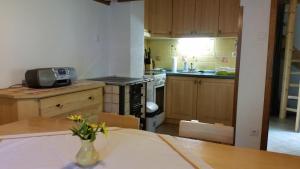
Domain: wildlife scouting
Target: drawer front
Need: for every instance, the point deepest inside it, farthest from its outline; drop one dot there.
(90, 113)
(58, 105)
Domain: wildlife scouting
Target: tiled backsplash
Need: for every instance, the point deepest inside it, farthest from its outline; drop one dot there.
(223, 55)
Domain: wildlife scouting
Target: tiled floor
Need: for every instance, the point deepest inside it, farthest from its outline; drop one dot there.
(170, 129)
(282, 137)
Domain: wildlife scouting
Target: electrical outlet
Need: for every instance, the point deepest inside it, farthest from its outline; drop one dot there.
(157, 58)
(254, 133)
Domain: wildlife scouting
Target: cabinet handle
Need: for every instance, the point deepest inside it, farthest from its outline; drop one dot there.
(59, 106)
(91, 98)
(199, 82)
(195, 82)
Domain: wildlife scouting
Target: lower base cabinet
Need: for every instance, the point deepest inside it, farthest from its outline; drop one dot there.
(181, 98)
(215, 101)
(205, 99)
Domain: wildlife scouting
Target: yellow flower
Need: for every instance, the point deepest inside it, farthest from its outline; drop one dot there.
(75, 117)
(103, 129)
(85, 130)
(94, 126)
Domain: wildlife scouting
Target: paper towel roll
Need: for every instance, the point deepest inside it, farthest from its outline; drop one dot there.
(174, 67)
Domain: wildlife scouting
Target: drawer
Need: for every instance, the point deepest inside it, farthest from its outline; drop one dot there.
(57, 105)
(90, 113)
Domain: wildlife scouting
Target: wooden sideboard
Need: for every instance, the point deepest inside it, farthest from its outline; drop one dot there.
(82, 97)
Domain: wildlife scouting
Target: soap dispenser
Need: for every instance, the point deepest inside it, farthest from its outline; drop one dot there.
(185, 66)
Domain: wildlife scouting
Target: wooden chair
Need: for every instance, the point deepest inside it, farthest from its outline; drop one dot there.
(217, 133)
(114, 120)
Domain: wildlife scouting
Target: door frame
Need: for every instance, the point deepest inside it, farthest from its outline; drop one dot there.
(269, 73)
(237, 67)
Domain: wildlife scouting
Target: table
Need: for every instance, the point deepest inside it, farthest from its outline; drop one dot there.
(215, 155)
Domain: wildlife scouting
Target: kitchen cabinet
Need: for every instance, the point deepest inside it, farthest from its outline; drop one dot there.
(207, 17)
(229, 16)
(208, 100)
(192, 18)
(215, 101)
(85, 98)
(195, 18)
(181, 98)
(159, 17)
(183, 18)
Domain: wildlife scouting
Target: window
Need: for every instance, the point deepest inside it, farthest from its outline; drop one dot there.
(197, 47)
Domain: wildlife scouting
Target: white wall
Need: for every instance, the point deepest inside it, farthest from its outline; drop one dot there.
(253, 72)
(45, 33)
(126, 53)
(119, 41)
(137, 38)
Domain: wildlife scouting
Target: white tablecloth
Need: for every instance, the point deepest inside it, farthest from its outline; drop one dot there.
(122, 149)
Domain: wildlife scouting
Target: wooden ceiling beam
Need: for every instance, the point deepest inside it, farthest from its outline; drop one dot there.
(127, 0)
(107, 2)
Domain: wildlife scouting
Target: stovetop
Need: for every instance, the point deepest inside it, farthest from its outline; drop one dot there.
(117, 80)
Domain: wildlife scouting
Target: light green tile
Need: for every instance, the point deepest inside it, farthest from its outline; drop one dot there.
(224, 47)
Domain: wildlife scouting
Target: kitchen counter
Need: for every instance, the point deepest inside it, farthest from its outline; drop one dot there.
(200, 74)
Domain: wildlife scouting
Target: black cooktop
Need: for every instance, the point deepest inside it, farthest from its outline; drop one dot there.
(117, 80)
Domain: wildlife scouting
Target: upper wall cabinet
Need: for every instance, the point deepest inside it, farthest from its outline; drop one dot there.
(183, 17)
(159, 17)
(207, 17)
(229, 16)
(192, 18)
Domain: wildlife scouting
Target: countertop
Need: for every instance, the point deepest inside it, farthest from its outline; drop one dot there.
(201, 75)
(121, 81)
(29, 93)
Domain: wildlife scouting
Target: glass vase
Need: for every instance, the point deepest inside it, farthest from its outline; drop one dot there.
(87, 155)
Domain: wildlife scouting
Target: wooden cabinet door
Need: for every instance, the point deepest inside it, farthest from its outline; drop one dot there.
(181, 98)
(229, 16)
(183, 17)
(215, 101)
(160, 17)
(207, 17)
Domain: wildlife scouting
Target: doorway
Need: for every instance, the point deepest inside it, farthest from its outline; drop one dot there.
(279, 132)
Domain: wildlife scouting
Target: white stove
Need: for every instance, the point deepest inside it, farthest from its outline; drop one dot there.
(156, 93)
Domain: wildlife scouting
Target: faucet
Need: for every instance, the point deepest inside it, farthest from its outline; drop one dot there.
(192, 69)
